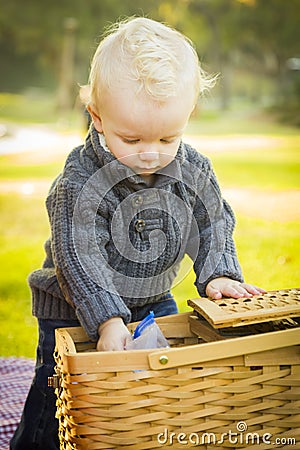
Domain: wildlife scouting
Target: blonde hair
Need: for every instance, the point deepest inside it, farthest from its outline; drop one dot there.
(157, 58)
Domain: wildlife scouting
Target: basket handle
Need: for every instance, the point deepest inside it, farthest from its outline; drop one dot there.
(197, 354)
(64, 341)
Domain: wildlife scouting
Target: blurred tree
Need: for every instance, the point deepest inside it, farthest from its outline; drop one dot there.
(65, 98)
(256, 35)
(273, 36)
(36, 31)
(220, 19)
(212, 26)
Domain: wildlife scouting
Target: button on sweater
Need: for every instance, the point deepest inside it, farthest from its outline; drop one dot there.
(116, 242)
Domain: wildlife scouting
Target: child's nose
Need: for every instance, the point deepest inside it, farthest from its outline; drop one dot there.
(149, 153)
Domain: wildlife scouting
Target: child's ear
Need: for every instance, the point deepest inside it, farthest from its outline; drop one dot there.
(96, 118)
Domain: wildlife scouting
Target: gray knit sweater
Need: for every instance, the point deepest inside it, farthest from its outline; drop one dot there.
(116, 243)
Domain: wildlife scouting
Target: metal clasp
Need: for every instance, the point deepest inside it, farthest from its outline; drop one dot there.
(54, 381)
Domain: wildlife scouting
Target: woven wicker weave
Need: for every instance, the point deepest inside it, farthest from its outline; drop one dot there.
(225, 394)
(242, 311)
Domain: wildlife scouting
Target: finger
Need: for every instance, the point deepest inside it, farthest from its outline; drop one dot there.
(213, 293)
(261, 290)
(236, 291)
(109, 346)
(253, 289)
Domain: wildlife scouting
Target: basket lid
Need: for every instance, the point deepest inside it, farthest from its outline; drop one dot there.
(233, 312)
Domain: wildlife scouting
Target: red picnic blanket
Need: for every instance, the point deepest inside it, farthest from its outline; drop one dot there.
(15, 379)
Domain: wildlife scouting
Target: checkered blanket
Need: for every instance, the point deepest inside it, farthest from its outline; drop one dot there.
(15, 378)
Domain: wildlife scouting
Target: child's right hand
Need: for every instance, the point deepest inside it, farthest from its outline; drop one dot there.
(113, 335)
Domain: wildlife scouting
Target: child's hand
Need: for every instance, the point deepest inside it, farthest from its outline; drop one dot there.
(113, 335)
(227, 287)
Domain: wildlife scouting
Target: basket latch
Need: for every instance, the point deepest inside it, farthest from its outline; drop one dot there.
(54, 381)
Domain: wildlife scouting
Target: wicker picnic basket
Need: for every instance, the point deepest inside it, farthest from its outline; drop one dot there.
(213, 388)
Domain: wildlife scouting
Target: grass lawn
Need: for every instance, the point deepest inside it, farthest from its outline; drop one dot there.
(268, 253)
(268, 250)
(23, 229)
(277, 170)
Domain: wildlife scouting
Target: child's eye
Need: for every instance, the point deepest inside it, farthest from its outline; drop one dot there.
(166, 141)
(130, 141)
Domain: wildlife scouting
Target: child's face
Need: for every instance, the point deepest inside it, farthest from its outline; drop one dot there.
(142, 133)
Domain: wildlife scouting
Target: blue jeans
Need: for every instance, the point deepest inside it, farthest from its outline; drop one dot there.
(38, 428)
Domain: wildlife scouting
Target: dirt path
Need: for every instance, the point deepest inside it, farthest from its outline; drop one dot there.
(282, 206)
(232, 143)
(38, 144)
(26, 144)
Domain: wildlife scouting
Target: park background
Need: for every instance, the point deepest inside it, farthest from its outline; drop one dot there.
(248, 126)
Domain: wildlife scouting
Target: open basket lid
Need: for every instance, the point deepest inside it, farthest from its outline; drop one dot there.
(234, 312)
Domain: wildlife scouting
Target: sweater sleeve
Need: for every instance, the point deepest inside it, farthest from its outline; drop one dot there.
(216, 255)
(93, 303)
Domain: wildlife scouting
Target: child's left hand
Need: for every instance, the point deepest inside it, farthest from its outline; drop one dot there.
(226, 287)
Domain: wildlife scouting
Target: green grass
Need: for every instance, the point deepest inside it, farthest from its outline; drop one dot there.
(23, 230)
(257, 174)
(35, 107)
(25, 172)
(269, 254)
(275, 168)
(239, 119)
(269, 251)
(265, 155)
